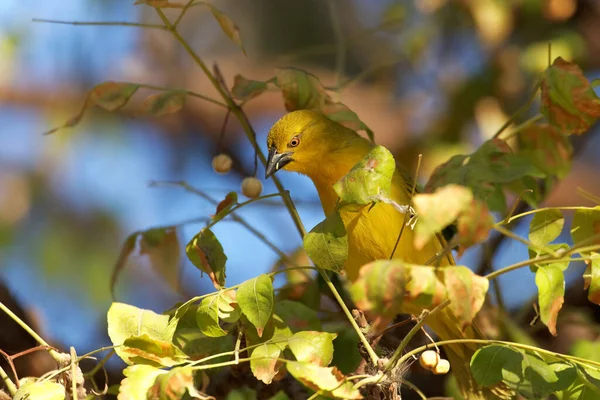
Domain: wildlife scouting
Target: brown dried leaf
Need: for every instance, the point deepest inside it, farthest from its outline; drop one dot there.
(568, 100)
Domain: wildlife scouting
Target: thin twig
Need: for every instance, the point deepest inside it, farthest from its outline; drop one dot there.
(410, 203)
(100, 23)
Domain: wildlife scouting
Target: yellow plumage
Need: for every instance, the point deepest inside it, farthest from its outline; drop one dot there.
(309, 143)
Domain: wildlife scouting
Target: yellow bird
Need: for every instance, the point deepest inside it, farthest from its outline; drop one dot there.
(311, 144)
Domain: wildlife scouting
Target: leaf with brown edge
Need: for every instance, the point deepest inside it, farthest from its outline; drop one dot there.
(142, 349)
(227, 26)
(568, 100)
(264, 362)
(255, 298)
(138, 380)
(126, 321)
(548, 149)
(112, 95)
(126, 250)
(159, 104)
(466, 291)
(437, 210)
(330, 381)
(550, 281)
(591, 278)
(474, 225)
(173, 385)
(380, 288)
(206, 253)
(161, 245)
(246, 89)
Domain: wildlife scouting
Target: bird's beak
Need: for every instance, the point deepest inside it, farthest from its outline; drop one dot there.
(276, 161)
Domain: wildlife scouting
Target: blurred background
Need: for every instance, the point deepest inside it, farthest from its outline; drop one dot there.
(436, 77)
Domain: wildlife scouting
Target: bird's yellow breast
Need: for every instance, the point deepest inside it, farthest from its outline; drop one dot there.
(372, 231)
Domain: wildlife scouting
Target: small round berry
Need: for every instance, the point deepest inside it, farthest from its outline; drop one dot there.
(221, 163)
(429, 359)
(251, 187)
(442, 367)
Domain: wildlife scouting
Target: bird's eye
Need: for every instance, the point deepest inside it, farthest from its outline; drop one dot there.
(294, 142)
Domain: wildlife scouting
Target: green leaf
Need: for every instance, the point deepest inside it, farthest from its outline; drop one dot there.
(591, 377)
(548, 149)
(227, 26)
(163, 103)
(546, 226)
(485, 172)
(568, 100)
(206, 253)
(126, 321)
(369, 179)
(276, 332)
(46, 390)
(255, 298)
(494, 363)
(327, 243)
(585, 225)
(551, 291)
(297, 316)
(264, 363)
(329, 380)
(138, 380)
(345, 356)
(591, 278)
(539, 374)
(313, 347)
(161, 245)
(112, 95)
(207, 317)
(245, 89)
(466, 291)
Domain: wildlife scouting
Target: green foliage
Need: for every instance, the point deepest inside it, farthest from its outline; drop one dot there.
(327, 243)
(248, 323)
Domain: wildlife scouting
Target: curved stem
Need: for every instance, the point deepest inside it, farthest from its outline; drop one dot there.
(530, 212)
(540, 248)
(10, 385)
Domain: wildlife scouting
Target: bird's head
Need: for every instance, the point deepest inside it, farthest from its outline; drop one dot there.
(294, 142)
